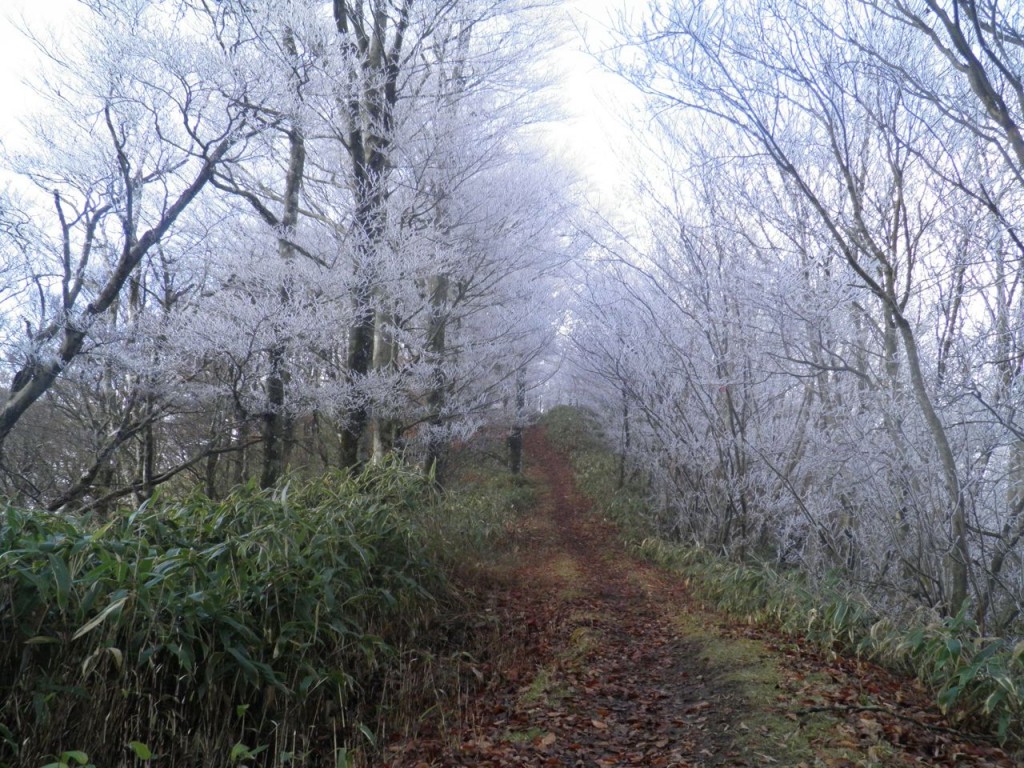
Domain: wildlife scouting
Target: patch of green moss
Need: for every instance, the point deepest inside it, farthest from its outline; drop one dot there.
(769, 733)
(524, 737)
(544, 688)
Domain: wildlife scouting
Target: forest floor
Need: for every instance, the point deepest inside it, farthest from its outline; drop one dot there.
(609, 661)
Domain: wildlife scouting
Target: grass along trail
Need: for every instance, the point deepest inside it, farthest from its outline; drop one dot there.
(611, 663)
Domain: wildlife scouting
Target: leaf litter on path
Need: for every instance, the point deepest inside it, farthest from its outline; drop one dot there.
(618, 666)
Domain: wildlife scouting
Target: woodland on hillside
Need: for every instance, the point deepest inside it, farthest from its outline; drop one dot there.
(814, 343)
(248, 237)
(282, 282)
(254, 239)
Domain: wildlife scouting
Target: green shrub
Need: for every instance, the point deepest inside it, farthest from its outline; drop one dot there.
(479, 510)
(199, 626)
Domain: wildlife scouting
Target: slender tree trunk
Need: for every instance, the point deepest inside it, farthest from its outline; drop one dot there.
(959, 559)
(626, 439)
(210, 474)
(384, 428)
(437, 446)
(277, 425)
(515, 438)
(370, 218)
(376, 65)
(359, 358)
(240, 465)
(147, 462)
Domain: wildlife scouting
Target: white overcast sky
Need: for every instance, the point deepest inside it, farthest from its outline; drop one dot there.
(601, 105)
(18, 56)
(594, 136)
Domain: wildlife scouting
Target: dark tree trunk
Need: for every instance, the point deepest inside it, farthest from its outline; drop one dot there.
(515, 438)
(275, 424)
(437, 447)
(626, 439)
(370, 113)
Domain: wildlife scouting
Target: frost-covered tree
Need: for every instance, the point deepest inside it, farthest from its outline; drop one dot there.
(140, 115)
(367, 257)
(830, 277)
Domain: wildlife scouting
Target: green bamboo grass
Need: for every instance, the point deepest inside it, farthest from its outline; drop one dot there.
(263, 623)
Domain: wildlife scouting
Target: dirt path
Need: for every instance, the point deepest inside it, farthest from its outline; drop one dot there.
(617, 667)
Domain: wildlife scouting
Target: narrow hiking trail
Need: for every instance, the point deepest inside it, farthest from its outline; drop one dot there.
(611, 663)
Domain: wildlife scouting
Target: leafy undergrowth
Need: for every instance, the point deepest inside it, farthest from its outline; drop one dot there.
(285, 628)
(977, 682)
(371, 621)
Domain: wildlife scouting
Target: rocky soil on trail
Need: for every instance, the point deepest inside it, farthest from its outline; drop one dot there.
(612, 663)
